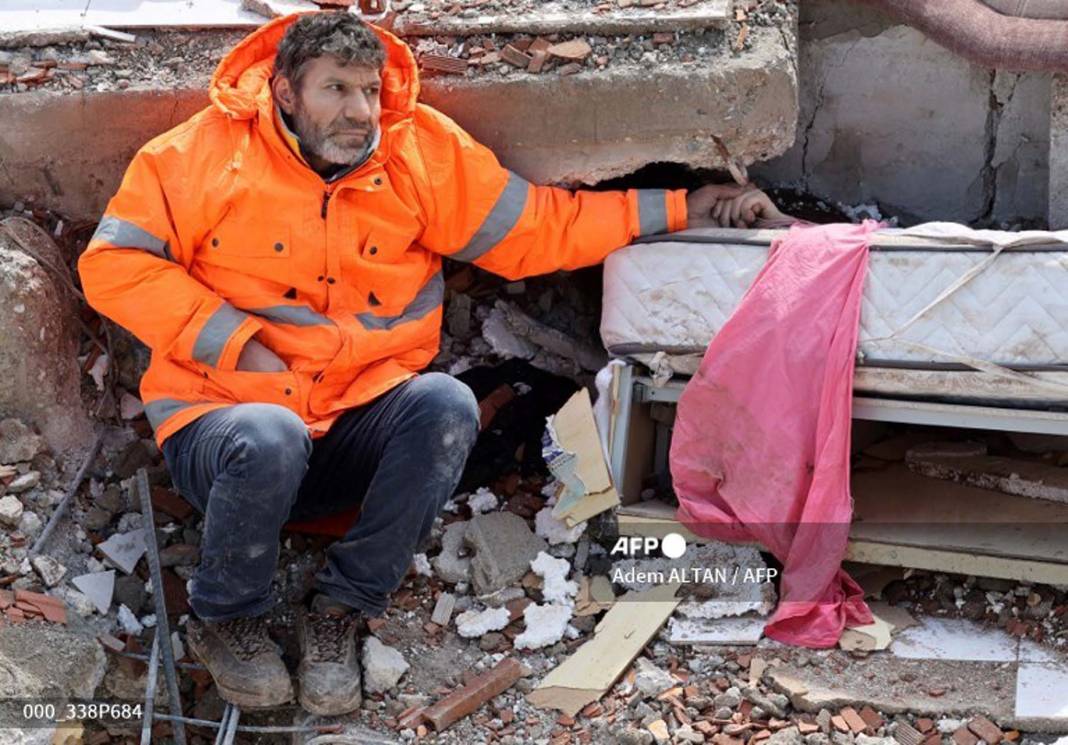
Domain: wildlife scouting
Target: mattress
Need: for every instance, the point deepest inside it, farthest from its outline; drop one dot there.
(938, 299)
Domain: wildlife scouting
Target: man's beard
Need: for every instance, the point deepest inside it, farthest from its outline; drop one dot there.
(322, 141)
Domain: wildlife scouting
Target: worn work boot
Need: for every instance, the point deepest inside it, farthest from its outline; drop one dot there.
(243, 661)
(329, 671)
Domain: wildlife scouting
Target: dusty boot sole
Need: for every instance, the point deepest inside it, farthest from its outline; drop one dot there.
(241, 698)
(333, 708)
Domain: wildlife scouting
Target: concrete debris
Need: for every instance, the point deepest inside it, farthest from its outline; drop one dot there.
(503, 547)
(10, 511)
(49, 661)
(76, 601)
(1035, 479)
(99, 587)
(650, 679)
(481, 501)
(18, 444)
(422, 565)
(474, 623)
(556, 531)
(24, 482)
(747, 629)
(130, 406)
(276, 8)
(30, 525)
(556, 587)
(450, 566)
(443, 608)
(504, 342)
(128, 621)
(124, 549)
(383, 666)
(50, 570)
(545, 625)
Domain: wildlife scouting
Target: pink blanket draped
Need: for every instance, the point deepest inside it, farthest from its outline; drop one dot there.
(760, 450)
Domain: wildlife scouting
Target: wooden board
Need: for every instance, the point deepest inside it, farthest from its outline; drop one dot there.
(909, 520)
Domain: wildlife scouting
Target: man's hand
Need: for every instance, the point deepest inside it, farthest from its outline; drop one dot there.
(701, 202)
(744, 210)
(255, 357)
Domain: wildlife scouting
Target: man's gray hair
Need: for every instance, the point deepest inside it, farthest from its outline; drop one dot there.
(339, 34)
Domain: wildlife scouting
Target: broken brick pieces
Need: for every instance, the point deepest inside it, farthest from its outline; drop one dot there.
(22, 605)
(516, 58)
(467, 699)
(166, 501)
(443, 63)
(575, 50)
(986, 730)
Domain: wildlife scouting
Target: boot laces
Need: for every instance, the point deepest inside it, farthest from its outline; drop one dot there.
(327, 636)
(246, 637)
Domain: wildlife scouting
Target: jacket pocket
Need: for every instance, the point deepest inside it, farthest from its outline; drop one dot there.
(247, 239)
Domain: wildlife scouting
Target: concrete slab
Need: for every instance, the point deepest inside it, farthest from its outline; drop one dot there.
(551, 18)
(1058, 154)
(1041, 691)
(568, 130)
(99, 587)
(734, 630)
(954, 639)
(33, 15)
(124, 549)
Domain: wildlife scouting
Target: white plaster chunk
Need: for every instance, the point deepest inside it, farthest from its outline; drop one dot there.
(124, 549)
(482, 500)
(474, 623)
(545, 625)
(383, 666)
(99, 587)
(554, 530)
(556, 587)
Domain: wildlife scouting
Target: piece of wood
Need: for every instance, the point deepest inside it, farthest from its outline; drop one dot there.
(581, 466)
(624, 631)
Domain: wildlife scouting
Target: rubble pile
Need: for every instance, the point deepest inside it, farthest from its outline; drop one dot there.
(182, 59)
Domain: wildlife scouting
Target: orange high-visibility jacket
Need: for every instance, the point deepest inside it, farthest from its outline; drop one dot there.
(220, 231)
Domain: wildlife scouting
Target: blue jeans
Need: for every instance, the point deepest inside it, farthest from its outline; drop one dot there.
(250, 468)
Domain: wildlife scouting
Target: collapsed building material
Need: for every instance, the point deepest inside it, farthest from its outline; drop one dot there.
(448, 564)
(545, 625)
(556, 587)
(467, 699)
(625, 629)
(554, 530)
(572, 451)
(472, 623)
(124, 550)
(383, 666)
(99, 587)
(443, 608)
(503, 547)
(1009, 475)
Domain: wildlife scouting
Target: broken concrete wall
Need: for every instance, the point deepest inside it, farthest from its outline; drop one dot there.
(631, 109)
(889, 116)
(1058, 155)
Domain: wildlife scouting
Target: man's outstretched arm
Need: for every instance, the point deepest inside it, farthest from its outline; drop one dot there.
(135, 272)
(478, 211)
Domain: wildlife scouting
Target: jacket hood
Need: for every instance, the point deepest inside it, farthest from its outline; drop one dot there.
(240, 85)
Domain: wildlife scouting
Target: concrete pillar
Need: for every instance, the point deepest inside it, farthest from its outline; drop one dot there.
(1058, 154)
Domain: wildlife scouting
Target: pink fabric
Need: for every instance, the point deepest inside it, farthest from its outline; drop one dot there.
(760, 450)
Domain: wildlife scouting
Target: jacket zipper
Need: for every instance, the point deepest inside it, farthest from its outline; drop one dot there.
(326, 201)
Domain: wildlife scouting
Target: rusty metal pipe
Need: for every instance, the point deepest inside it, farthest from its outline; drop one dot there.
(978, 32)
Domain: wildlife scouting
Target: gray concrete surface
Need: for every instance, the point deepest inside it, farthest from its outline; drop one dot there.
(1058, 155)
(888, 115)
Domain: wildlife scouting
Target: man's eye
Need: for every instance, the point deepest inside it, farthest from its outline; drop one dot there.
(336, 87)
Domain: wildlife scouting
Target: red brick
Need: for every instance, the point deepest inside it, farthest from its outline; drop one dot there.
(871, 718)
(481, 689)
(15, 615)
(164, 500)
(839, 723)
(963, 736)
(516, 608)
(923, 724)
(7, 598)
(853, 720)
(986, 730)
(519, 59)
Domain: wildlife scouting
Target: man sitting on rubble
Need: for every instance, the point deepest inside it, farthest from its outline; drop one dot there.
(281, 255)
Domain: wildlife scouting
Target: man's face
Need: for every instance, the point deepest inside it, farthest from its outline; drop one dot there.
(336, 109)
